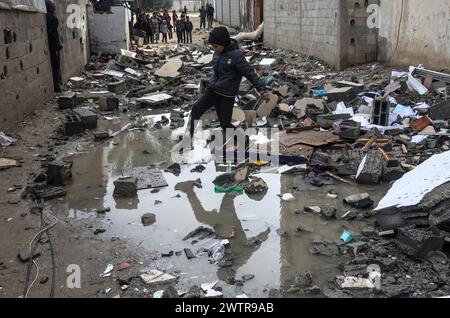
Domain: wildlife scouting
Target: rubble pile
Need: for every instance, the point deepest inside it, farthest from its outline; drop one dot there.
(364, 126)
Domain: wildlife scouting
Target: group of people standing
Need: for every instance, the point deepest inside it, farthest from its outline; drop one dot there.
(207, 14)
(150, 27)
(160, 25)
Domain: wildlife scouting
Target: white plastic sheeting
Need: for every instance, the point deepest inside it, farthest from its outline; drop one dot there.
(413, 186)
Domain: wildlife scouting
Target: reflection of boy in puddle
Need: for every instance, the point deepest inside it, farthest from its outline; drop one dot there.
(227, 225)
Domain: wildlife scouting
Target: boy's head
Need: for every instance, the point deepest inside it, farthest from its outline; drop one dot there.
(50, 6)
(187, 18)
(219, 39)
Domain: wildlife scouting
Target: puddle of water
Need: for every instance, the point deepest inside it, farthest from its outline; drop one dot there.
(274, 262)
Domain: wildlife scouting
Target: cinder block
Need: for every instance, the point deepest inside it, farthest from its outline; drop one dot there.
(68, 100)
(88, 118)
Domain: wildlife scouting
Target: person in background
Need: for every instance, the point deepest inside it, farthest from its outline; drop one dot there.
(164, 31)
(202, 17)
(183, 28)
(155, 21)
(185, 10)
(229, 65)
(148, 29)
(210, 14)
(178, 30)
(168, 19)
(139, 28)
(54, 44)
(189, 29)
(174, 17)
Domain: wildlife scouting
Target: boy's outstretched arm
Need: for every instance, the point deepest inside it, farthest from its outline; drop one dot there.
(249, 73)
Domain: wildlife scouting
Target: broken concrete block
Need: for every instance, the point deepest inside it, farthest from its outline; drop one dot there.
(440, 111)
(328, 213)
(72, 125)
(101, 135)
(6, 163)
(59, 173)
(343, 94)
(350, 129)
(67, 101)
(117, 87)
(370, 170)
(108, 103)
(326, 121)
(380, 112)
(88, 118)
(420, 242)
(360, 200)
(155, 277)
(148, 219)
(392, 170)
(125, 187)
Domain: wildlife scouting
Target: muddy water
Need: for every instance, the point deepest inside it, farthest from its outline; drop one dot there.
(184, 207)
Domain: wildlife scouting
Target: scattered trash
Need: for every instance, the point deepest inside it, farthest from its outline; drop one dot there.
(287, 197)
(107, 271)
(5, 140)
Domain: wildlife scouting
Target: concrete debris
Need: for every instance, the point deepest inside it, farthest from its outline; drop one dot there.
(155, 278)
(148, 219)
(125, 187)
(7, 163)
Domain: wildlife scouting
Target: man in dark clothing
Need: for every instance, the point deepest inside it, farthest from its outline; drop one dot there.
(178, 28)
(189, 28)
(210, 15)
(182, 26)
(230, 66)
(54, 44)
(202, 17)
(185, 10)
(139, 28)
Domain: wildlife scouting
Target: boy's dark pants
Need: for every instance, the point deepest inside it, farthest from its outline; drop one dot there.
(223, 105)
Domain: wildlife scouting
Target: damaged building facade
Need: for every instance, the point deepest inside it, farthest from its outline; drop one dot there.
(349, 32)
(25, 58)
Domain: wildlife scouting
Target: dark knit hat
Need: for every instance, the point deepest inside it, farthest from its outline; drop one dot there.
(219, 36)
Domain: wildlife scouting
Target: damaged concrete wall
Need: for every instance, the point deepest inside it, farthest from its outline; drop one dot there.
(358, 37)
(335, 31)
(109, 32)
(235, 13)
(306, 26)
(73, 32)
(25, 73)
(423, 34)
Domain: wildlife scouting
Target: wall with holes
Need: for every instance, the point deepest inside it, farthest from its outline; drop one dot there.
(307, 26)
(415, 32)
(25, 71)
(332, 30)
